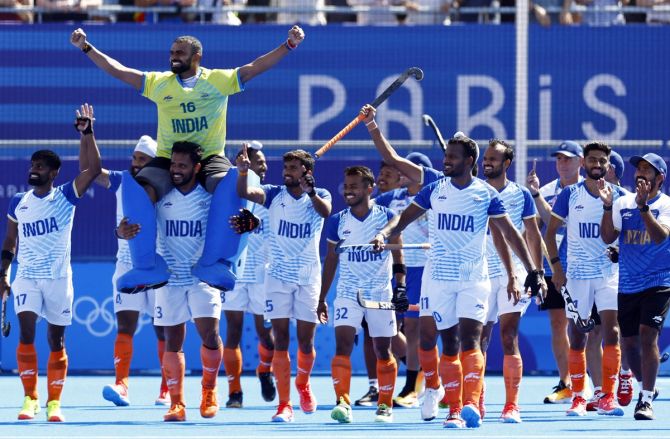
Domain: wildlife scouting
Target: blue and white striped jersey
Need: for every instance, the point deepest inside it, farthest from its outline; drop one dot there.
(182, 227)
(519, 205)
(582, 213)
(643, 264)
(361, 269)
(458, 227)
(123, 252)
(295, 230)
(255, 261)
(417, 232)
(45, 231)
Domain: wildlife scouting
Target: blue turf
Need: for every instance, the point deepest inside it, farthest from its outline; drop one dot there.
(88, 415)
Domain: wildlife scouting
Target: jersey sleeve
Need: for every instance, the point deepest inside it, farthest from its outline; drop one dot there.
(496, 206)
(115, 178)
(332, 226)
(271, 191)
(227, 81)
(562, 204)
(422, 199)
(663, 217)
(323, 193)
(149, 83)
(71, 193)
(389, 214)
(384, 199)
(13, 203)
(529, 209)
(616, 212)
(431, 175)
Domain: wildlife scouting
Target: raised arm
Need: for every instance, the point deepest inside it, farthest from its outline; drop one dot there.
(608, 233)
(322, 206)
(88, 150)
(410, 170)
(254, 194)
(270, 59)
(132, 77)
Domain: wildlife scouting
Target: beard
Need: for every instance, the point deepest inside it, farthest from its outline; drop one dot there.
(596, 174)
(181, 68)
(493, 173)
(185, 179)
(37, 181)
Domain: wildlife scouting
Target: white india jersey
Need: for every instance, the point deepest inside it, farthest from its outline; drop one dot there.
(362, 269)
(182, 227)
(458, 227)
(255, 260)
(519, 205)
(123, 252)
(45, 231)
(582, 212)
(295, 230)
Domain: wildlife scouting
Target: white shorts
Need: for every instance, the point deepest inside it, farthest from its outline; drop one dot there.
(448, 301)
(245, 297)
(179, 304)
(347, 312)
(499, 303)
(585, 291)
(143, 302)
(48, 298)
(286, 300)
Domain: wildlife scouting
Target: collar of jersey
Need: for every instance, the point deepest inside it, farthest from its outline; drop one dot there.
(43, 196)
(196, 81)
(364, 218)
(187, 193)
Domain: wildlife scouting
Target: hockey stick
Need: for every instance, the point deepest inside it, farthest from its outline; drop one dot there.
(373, 304)
(583, 326)
(665, 357)
(415, 72)
(4, 324)
(428, 121)
(341, 248)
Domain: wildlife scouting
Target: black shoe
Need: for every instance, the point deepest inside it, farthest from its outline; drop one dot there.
(644, 411)
(234, 401)
(369, 398)
(268, 389)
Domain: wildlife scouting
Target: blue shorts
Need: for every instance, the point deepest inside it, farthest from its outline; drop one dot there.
(413, 281)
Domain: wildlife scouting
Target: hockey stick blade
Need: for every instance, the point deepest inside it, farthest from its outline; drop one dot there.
(5, 325)
(583, 326)
(373, 304)
(428, 121)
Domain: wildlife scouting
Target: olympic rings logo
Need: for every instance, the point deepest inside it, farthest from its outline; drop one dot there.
(99, 318)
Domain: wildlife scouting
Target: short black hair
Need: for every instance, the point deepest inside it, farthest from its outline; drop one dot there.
(303, 156)
(196, 45)
(47, 156)
(469, 147)
(597, 146)
(508, 153)
(193, 150)
(363, 171)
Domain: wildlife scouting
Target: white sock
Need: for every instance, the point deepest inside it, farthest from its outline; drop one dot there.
(624, 371)
(374, 383)
(647, 396)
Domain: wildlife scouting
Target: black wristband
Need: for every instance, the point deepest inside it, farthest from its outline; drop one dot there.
(554, 260)
(607, 208)
(535, 195)
(644, 208)
(312, 193)
(7, 255)
(399, 269)
(86, 48)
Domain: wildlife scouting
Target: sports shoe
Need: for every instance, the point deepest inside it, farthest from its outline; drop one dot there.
(561, 394)
(307, 399)
(431, 399)
(268, 389)
(578, 407)
(592, 404)
(384, 413)
(369, 398)
(454, 419)
(284, 413)
(234, 401)
(176, 413)
(342, 412)
(510, 414)
(209, 406)
(31, 407)
(406, 400)
(624, 393)
(163, 397)
(608, 406)
(116, 393)
(482, 407)
(471, 415)
(53, 411)
(643, 411)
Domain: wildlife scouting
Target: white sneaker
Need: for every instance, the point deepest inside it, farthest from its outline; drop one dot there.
(430, 404)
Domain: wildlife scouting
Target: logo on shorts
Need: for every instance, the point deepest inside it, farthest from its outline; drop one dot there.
(657, 319)
(479, 306)
(391, 323)
(66, 311)
(627, 215)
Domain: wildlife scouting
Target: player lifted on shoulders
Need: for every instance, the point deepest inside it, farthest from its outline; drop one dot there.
(293, 279)
(364, 272)
(40, 223)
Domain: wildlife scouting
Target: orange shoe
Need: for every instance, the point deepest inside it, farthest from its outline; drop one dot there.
(209, 406)
(177, 413)
(307, 399)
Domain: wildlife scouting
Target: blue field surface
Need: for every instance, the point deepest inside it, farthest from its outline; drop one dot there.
(89, 416)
